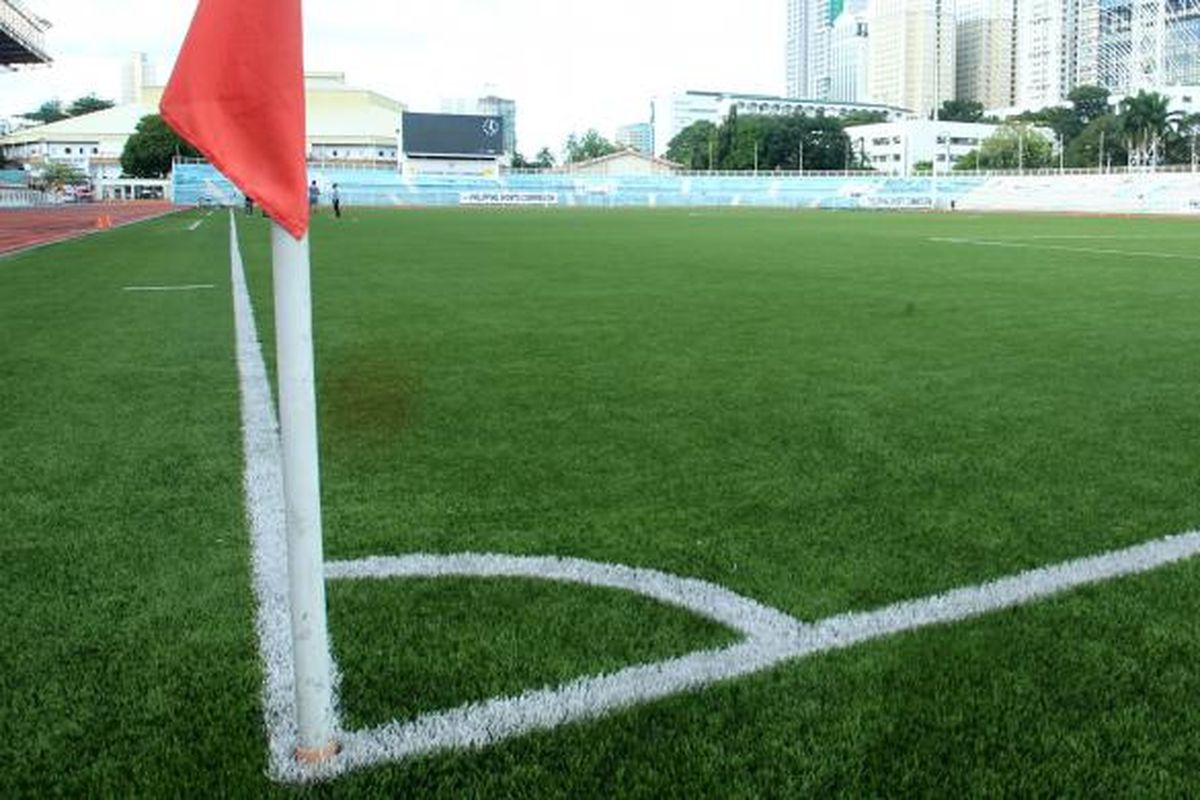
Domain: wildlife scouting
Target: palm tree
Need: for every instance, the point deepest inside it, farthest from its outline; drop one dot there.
(1146, 120)
(1187, 139)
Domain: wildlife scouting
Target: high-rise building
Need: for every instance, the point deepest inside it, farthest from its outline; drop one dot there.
(1048, 51)
(796, 57)
(136, 74)
(1140, 44)
(491, 105)
(639, 136)
(809, 23)
(507, 110)
(849, 53)
(986, 49)
(912, 53)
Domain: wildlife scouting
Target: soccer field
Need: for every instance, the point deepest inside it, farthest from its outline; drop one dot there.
(824, 413)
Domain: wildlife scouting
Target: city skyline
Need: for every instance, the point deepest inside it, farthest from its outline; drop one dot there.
(568, 66)
(1004, 54)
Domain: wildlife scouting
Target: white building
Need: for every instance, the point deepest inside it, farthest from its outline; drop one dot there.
(850, 53)
(986, 48)
(345, 125)
(673, 113)
(912, 53)
(136, 74)
(897, 147)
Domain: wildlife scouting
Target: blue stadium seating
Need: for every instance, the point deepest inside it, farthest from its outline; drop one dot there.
(194, 182)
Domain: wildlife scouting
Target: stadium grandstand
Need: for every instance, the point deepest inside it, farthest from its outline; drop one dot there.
(22, 36)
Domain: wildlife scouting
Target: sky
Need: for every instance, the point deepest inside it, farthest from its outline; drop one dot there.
(570, 65)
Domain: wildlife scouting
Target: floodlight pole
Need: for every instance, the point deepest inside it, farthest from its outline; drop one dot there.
(302, 496)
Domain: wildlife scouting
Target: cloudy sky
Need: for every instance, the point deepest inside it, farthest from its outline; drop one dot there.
(569, 64)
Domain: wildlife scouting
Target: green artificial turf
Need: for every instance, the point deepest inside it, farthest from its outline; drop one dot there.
(824, 412)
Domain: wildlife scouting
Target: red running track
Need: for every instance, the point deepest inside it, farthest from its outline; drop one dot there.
(22, 228)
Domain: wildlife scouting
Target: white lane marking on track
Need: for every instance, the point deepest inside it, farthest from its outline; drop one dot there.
(771, 637)
(189, 287)
(1104, 251)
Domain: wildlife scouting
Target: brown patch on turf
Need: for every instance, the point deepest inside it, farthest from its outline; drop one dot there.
(374, 396)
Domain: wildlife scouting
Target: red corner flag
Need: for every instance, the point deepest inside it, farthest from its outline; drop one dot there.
(237, 94)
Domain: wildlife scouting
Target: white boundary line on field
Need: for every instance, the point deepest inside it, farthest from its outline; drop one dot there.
(263, 483)
(191, 287)
(771, 637)
(1103, 251)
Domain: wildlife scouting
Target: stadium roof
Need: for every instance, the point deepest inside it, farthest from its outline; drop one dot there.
(625, 156)
(337, 114)
(22, 39)
(115, 121)
(773, 98)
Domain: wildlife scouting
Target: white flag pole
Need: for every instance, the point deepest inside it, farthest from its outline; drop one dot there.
(301, 482)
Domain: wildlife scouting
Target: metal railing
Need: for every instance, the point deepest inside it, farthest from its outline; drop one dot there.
(28, 29)
(388, 166)
(364, 165)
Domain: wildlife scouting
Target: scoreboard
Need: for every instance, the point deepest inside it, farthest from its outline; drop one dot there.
(452, 135)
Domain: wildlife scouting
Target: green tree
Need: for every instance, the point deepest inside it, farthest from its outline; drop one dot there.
(961, 111)
(1062, 120)
(1185, 143)
(57, 174)
(695, 146)
(1016, 146)
(968, 162)
(545, 159)
(862, 117)
(1090, 103)
(783, 142)
(87, 104)
(1146, 119)
(151, 149)
(590, 145)
(47, 112)
(1101, 143)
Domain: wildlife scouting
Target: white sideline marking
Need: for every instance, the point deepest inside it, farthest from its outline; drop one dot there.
(771, 637)
(197, 223)
(1109, 236)
(263, 483)
(1093, 250)
(191, 287)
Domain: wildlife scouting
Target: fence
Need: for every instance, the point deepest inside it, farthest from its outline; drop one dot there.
(22, 198)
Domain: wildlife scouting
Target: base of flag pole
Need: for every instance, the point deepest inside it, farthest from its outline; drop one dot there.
(313, 756)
